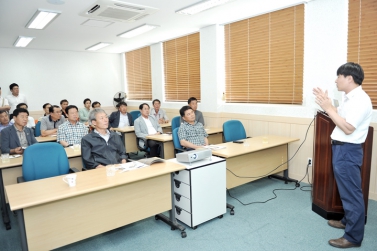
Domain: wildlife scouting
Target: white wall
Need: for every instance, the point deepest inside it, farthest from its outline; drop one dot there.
(325, 49)
(50, 76)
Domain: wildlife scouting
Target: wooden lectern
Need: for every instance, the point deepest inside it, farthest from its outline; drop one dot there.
(326, 200)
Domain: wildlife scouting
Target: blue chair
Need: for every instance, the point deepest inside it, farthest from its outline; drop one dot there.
(135, 115)
(45, 160)
(177, 144)
(37, 130)
(175, 122)
(233, 130)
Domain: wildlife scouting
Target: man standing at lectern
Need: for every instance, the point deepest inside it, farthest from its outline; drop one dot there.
(352, 119)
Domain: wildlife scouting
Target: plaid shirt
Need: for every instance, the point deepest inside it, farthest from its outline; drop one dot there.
(194, 134)
(70, 133)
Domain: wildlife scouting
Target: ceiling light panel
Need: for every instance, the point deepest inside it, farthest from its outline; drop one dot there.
(98, 46)
(201, 6)
(41, 19)
(138, 30)
(22, 41)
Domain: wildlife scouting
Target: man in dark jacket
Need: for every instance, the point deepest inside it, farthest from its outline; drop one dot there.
(121, 118)
(14, 139)
(101, 147)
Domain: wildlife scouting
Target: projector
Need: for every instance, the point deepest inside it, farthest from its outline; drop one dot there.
(195, 155)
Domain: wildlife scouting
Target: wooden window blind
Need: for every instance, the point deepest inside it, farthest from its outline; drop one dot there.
(139, 83)
(182, 68)
(362, 42)
(264, 58)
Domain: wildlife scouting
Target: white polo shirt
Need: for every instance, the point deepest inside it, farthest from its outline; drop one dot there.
(14, 101)
(357, 110)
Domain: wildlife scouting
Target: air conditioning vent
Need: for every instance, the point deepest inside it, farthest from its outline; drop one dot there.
(117, 11)
(128, 7)
(96, 7)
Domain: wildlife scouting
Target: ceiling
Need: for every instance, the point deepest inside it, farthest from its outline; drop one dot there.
(66, 33)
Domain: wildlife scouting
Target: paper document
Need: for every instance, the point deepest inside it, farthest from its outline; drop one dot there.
(215, 147)
(130, 166)
(14, 156)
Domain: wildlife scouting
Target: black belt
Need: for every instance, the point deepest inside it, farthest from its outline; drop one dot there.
(335, 142)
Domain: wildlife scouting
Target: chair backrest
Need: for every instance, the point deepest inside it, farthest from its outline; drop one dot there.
(135, 114)
(37, 131)
(175, 122)
(233, 130)
(176, 142)
(44, 160)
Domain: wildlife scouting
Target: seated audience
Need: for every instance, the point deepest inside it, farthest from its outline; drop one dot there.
(15, 98)
(46, 110)
(63, 105)
(84, 112)
(15, 138)
(4, 104)
(193, 103)
(71, 131)
(191, 133)
(31, 121)
(101, 147)
(121, 118)
(96, 104)
(147, 125)
(50, 123)
(4, 120)
(158, 113)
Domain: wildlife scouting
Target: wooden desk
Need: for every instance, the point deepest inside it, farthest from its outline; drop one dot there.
(215, 136)
(257, 160)
(129, 137)
(10, 171)
(128, 133)
(48, 209)
(41, 139)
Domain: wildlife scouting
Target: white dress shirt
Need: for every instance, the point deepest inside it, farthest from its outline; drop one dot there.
(357, 110)
(3, 101)
(14, 101)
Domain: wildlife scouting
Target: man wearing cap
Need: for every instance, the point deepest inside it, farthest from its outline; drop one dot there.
(4, 105)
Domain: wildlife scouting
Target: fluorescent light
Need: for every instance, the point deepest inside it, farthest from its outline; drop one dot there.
(201, 6)
(98, 46)
(22, 41)
(41, 19)
(137, 31)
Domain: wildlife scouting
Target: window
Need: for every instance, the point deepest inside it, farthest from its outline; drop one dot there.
(362, 42)
(264, 58)
(139, 83)
(182, 68)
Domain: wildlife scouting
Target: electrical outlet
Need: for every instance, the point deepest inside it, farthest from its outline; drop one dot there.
(310, 163)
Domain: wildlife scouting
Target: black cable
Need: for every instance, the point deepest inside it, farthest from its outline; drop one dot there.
(279, 189)
(267, 174)
(273, 191)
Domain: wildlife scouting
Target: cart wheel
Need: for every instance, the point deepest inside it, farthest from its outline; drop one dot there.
(172, 228)
(269, 176)
(232, 212)
(7, 226)
(183, 234)
(155, 217)
(220, 216)
(297, 184)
